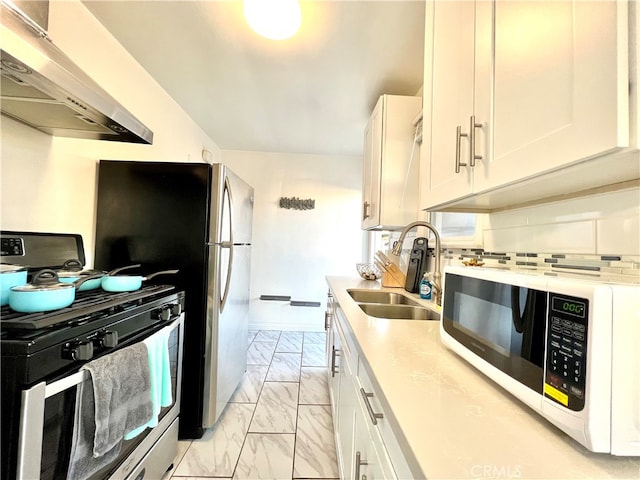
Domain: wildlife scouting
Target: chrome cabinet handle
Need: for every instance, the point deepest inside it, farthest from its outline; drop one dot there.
(459, 135)
(334, 354)
(359, 462)
(327, 317)
(374, 416)
(472, 141)
(365, 213)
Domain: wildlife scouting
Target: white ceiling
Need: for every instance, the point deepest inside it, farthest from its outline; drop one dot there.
(309, 94)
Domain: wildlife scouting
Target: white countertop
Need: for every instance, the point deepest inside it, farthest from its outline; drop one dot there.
(457, 423)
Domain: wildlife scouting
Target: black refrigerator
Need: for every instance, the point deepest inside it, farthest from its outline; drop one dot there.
(197, 218)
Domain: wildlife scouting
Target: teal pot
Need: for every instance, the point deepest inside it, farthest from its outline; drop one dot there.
(10, 276)
(44, 293)
(128, 283)
(72, 270)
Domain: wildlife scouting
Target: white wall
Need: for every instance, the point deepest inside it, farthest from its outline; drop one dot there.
(293, 250)
(48, 183)
(603, 224)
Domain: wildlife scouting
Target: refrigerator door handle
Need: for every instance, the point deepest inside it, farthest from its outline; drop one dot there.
(223, 300)
(228, 244)
(227, 189)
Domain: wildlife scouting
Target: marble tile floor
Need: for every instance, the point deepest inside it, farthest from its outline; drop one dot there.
(278, 423)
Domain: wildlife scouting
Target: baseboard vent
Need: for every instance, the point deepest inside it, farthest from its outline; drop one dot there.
(279, 298)
(301, 303)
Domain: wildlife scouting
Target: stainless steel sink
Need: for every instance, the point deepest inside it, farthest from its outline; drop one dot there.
(384, 298)
(406, 312)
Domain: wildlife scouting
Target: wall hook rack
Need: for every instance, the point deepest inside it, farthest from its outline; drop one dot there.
(296, 203)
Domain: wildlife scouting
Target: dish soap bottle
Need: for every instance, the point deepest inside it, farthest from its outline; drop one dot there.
(425, 287)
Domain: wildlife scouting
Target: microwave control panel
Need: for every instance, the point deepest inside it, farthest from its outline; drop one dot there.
(566, 369)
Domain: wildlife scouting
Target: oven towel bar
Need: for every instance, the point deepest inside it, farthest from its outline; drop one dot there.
(122, 392)
(121, 387)
(158, 349)
(82, 464)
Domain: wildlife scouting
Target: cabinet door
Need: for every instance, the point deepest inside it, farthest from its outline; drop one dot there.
(561, 86)
(334, 365)
(328, 326)
(345, 430)
(451, 99)
(370, 459)
(372, 168)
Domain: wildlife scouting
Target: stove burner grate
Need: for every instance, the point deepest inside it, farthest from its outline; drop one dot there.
(85, 304)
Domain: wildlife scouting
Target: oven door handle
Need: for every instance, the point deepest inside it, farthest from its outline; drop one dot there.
(32, 418)
(31, 427)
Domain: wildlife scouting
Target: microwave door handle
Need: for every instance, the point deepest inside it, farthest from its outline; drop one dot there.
(518, 320)
(529, 326)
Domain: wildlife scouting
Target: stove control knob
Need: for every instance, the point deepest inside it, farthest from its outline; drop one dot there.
(176, 309)
(164, 314)
(81, 351)
(108, 339)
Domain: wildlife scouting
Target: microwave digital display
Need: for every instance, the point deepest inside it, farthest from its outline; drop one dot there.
(568, 306)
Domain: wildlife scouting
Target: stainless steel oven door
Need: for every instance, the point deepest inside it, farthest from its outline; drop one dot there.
(47, 415)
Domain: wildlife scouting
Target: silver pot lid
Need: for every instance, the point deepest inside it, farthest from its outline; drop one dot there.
(78, 275)
(74, 269)
(6, 268)
(44, 280)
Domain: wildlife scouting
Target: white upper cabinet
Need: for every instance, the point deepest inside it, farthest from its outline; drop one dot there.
(561, 89)
(459, 93)
(391, 164)
(528, 100)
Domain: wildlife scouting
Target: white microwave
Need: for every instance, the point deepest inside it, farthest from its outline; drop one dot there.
(567, 347)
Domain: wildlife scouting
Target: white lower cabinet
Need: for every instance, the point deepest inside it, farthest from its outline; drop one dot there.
(361, 430)
(371, 460)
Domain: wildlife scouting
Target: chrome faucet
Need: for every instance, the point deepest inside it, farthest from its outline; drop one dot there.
(397, 249)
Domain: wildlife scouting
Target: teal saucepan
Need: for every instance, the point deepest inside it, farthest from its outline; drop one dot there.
(10, 276)
(72, 270)
(44, 293)
(128, 283)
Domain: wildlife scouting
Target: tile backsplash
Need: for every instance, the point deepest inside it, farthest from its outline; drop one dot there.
(625, 268)
(593, 237)
(606, 224)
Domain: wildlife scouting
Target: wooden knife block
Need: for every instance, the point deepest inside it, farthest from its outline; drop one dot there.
(397, 279)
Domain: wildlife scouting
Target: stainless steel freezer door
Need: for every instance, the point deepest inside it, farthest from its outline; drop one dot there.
(227, 328)
(231, 207)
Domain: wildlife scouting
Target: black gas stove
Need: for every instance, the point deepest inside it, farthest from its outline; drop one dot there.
(49, 348)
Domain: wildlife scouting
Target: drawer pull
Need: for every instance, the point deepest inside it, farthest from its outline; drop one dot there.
(359, 462)
(374, 416)
(334, 354)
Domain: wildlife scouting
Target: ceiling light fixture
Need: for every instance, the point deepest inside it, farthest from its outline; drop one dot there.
(273, 19)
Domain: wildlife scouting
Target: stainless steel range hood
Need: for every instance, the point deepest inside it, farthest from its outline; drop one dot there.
(41, 87)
